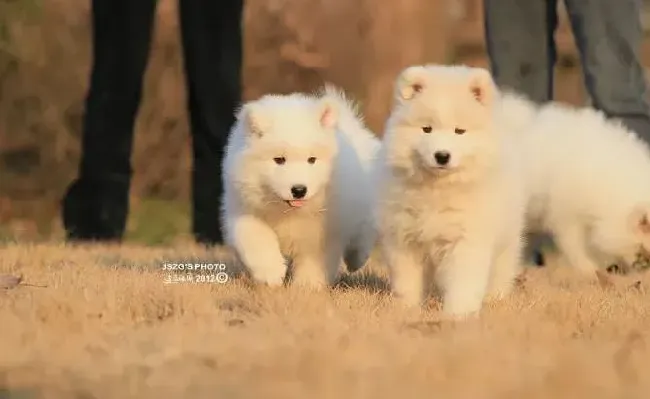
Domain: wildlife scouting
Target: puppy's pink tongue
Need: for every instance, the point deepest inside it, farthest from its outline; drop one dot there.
(297, 203)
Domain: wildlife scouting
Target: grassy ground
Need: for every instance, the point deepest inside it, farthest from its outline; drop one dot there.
(101, 323)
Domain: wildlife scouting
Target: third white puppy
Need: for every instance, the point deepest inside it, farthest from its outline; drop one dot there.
(451, 197)
(590, 184)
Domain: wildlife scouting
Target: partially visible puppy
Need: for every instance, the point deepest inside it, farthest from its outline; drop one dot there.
(450, 193)
(296, 180)
(589, 180)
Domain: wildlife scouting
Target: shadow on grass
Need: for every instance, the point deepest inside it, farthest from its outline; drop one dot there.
(363, 280)
(204, 260)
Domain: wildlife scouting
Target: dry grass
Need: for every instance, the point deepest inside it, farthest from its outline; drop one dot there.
(107, 327)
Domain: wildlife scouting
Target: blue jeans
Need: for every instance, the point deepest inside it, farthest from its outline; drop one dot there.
(608, 33)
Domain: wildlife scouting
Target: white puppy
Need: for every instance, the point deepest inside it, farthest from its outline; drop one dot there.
(451, 197)
(296, 181)
(589, 181)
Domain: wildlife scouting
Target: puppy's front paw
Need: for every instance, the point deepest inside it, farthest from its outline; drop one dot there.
(461, 308)
(271, 276)
(409, 299)
(309, 279)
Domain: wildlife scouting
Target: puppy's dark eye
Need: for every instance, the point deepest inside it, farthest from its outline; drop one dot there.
(427, 129)
(311, 160)
(280, 160)
(459, 130)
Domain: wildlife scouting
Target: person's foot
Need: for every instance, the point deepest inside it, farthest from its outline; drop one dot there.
(95, 211)
(206, 216)
(208, 240)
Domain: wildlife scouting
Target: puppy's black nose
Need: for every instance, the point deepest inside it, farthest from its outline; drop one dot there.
(298, 191)
(442, 157)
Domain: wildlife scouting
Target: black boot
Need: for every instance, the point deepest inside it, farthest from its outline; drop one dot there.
(95, 210)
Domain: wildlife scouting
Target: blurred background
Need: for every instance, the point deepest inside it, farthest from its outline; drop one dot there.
(290, 45)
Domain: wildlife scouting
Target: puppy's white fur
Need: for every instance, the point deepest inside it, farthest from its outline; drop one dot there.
(462, 221)
(590, 182)
(260, 224)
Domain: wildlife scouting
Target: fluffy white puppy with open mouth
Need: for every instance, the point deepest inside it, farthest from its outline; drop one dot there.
(297, 186)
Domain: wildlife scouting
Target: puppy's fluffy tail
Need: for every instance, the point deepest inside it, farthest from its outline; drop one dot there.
(351, 123)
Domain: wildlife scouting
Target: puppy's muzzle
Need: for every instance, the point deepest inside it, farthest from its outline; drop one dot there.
(299, 191)
(442, 157)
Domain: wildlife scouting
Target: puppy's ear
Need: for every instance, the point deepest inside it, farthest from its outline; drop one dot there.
(482, 86)
(328, 112)
(254, 119)
(410, 83)
(640, 219)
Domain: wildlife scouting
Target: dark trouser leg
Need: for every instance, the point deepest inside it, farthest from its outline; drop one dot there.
(212, 45)
(95, 206)
(521, 48)
(609, 34)
(520, 45)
